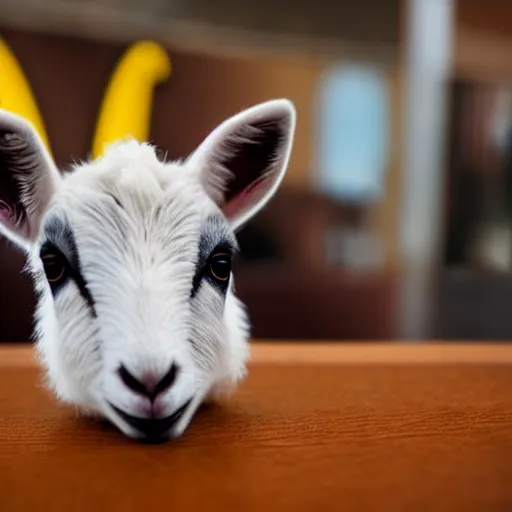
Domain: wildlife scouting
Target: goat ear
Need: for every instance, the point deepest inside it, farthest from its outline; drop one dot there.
(243, 161)
(28, 179)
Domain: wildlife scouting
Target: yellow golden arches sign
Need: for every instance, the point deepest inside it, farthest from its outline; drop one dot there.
(15, 92)
(126, 106)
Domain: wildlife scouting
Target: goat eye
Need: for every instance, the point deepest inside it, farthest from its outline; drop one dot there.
(54, 267)
(220, 266)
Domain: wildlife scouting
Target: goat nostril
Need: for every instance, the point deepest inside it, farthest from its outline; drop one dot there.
(131, 382)
(166, 381)
(146, 387)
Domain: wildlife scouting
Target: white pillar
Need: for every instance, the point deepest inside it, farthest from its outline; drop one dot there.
(428, 46)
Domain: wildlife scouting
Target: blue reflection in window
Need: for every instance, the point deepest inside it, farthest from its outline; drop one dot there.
(353, 133)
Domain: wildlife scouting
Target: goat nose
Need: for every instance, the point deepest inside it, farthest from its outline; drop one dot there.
(149, 385)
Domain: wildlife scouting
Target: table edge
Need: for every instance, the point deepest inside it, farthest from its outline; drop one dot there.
(279, 352)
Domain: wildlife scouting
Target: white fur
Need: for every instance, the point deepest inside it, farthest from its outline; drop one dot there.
(138, 261)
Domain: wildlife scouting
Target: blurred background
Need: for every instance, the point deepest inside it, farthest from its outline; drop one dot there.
(395, 218)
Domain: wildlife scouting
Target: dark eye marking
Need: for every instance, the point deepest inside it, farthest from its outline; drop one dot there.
(217, 246)
(216, 269)
(60, 259)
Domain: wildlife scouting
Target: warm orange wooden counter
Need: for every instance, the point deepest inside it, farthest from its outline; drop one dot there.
(338, 427)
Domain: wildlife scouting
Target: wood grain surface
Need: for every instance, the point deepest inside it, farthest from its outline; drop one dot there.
(331, 427)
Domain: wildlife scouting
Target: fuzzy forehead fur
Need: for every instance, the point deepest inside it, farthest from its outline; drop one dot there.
(132, 170)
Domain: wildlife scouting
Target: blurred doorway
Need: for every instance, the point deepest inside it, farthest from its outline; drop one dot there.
(476, 276)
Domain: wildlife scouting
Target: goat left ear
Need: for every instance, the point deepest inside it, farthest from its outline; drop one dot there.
(28, 179)
(242, 162)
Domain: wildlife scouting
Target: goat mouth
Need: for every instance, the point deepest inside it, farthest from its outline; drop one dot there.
(152, 430)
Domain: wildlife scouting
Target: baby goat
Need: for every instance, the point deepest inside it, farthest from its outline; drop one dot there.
(137, 319)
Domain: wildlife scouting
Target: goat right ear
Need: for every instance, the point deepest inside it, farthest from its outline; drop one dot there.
(28, 179)
(243, 161)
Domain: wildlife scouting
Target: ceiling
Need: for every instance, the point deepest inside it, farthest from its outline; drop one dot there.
(360, 28)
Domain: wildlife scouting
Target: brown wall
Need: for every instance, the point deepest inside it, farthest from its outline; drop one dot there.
(216, 88)
(483, 40)
(386, 214)
(490, 16)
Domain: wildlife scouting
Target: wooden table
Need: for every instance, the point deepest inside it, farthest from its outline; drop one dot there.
(314, 427)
